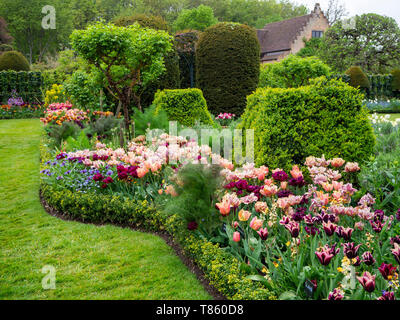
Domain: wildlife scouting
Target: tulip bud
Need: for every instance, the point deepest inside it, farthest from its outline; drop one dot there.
(236, 236)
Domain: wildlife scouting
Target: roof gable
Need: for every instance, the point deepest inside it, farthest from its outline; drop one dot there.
(279, 35)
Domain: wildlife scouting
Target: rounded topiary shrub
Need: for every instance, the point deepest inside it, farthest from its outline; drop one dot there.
(228, 66)
(183, 105)
(13, 60)
(358, 78)
(325, 118)
(292, 72)
(5, 47)
(396, 80)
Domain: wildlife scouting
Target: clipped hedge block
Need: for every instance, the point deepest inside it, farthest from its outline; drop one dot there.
(325, 118)
(358, 79)
(183, 105)
(396, 80)
(228, 66)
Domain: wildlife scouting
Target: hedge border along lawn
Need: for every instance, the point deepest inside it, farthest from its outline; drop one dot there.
(91, 262)
(222, 270)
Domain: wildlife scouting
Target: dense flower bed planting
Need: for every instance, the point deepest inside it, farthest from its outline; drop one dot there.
(293, 232)
(220, 268)
(23, 111)
(297, 234)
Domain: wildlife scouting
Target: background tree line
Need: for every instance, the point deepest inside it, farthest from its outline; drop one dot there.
(23, 18)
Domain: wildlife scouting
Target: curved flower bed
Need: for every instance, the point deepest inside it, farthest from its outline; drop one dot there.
(99, 205)
(297, 235)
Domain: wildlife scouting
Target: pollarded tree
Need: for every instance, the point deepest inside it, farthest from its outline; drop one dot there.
(228, 66)
(170, 79)
(128, 57)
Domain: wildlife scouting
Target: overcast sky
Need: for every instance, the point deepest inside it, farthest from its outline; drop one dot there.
(389, 8)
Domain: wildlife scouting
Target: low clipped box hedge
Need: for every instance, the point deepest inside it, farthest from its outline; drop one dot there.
(220, 268)
(325, 118)
(183, 105)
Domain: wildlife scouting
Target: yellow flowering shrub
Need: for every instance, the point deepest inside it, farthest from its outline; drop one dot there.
(55, 94)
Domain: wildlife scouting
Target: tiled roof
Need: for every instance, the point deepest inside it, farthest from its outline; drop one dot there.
(278, 36)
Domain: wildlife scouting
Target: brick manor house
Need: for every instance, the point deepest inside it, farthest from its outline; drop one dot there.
(279, 39)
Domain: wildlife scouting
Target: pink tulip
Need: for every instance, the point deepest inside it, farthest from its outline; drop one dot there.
(236, 236)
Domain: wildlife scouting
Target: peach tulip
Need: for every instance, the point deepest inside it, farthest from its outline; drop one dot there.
(244, 215)
(256, 224)
(224, 207)
(337, 162)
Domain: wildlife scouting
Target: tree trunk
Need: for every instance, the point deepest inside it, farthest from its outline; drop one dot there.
(125, 107)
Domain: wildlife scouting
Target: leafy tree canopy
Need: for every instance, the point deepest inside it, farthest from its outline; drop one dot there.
(371, 42)
(129, 57)
(199, 18)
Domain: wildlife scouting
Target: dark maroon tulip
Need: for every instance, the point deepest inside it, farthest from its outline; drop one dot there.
(263, 233)
(398, 215)
(324, 257)
(350, 250)
(335, 295)
(386, 295)
(379, 215)
(332, 250)
(192, 225)
(387, 270)
(308, 219)
(108, 180)
(368, 259)
(312, 230)
(297, 182)
(284, 193)
(315, 284)
(344, 233)
(299, 214)
(122, 175)
(241, 184)
(367, 281)
(358, 262)
(322, 217)
(230, 185)
(394, 240)
(293, 228)
(280, 176)
(304, 200)
(98, 177)
(329, 228)
(377, 226)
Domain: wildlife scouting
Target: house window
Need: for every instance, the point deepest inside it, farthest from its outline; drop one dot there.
(317, 34)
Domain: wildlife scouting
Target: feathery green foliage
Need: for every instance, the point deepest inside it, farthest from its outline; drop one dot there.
(150, 119)
(196, 186)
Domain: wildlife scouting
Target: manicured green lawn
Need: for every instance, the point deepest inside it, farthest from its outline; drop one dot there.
(91, 262)
(394, 116)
